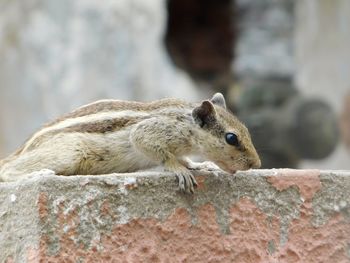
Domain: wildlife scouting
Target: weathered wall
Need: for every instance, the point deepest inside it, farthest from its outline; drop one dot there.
(322, 38)
(264, 48)
(254, 216)
(322, 58)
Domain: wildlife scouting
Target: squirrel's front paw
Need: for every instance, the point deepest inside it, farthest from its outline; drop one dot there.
(187, 182)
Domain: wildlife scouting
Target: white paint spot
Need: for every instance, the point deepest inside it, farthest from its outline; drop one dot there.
(127, 181)
(65, 229)
(57, 202)
(13, 198)
(336, 208)
(123, 214)
(130, 180)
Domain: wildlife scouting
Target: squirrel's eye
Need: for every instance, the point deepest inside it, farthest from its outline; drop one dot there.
(232, 139)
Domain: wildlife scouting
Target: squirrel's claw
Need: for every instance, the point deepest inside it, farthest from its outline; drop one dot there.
(187, 182)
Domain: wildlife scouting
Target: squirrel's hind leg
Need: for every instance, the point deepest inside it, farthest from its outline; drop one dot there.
(62, 161)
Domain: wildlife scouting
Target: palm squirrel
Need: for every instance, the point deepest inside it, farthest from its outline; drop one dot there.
(113, 136)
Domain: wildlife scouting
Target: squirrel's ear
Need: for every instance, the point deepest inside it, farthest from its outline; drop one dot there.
(218, 99)
(205, 113)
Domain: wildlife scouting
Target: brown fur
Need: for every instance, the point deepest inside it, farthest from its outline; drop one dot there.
(103, 126)
(118, 105)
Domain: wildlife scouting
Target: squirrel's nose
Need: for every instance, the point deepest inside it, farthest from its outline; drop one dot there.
(255, 164)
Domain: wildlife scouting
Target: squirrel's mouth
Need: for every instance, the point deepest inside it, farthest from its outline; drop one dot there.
(231, 171)
(226, 168)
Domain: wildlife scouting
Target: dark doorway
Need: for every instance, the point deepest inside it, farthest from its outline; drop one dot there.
(200, 37)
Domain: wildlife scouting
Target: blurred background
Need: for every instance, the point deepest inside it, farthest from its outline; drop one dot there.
(283, 65)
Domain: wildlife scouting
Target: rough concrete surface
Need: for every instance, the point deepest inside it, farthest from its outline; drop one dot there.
(276, 215)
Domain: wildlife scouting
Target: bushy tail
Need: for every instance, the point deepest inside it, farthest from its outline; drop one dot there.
(1, 164)
(6, 160)
(11, 157)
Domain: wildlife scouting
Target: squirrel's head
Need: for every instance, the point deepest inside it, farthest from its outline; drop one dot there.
(229, 144)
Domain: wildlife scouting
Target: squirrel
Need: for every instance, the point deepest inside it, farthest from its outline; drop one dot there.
(114, 136)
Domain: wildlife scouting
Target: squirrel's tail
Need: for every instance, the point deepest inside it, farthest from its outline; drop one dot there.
(8, 159)
(1, 164)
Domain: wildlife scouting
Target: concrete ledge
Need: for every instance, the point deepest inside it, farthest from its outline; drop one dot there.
(256, 216)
